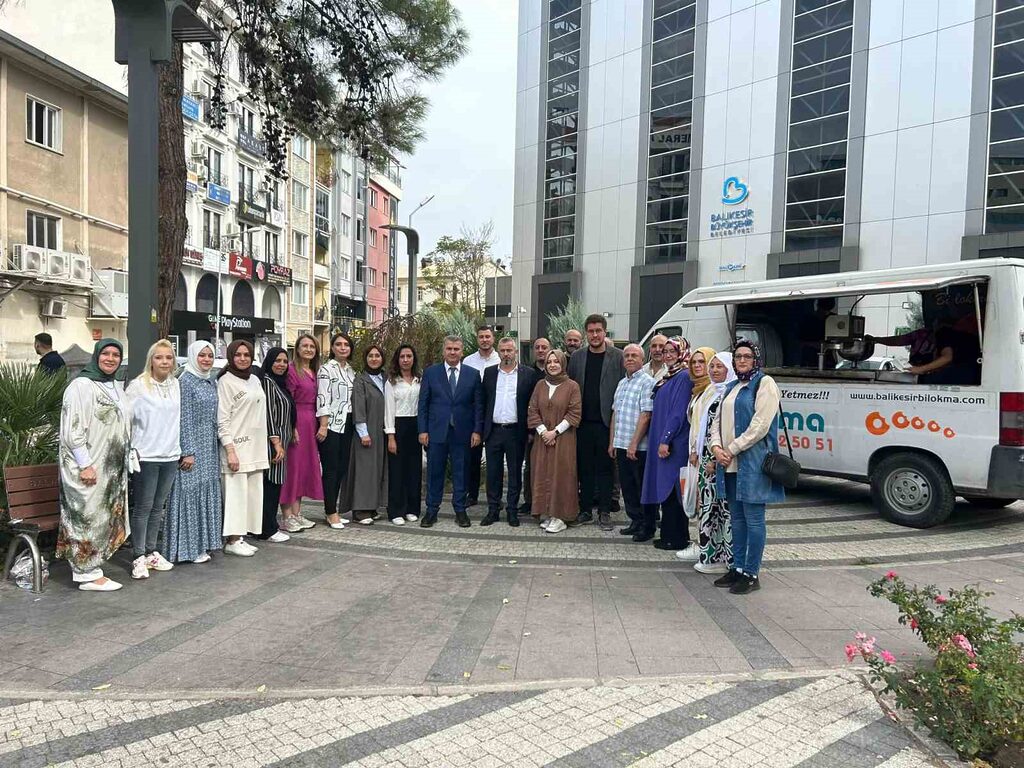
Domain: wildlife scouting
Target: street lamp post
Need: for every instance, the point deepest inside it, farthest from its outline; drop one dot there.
(427, 200)
(144, 31)
(412, 246)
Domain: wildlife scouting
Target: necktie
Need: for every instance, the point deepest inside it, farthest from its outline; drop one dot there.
(451, 381)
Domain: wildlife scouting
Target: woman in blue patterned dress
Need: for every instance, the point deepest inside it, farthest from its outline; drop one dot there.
(193, 523)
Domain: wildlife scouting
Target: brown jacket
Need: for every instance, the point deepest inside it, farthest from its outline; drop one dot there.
(553, 468)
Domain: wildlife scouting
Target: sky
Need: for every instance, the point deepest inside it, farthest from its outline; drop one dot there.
(467, 158)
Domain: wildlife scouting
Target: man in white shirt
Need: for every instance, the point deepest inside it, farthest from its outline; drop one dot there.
(485, 357)
(656, 369)
(507, 390)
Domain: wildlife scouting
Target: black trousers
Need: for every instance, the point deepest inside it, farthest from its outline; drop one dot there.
(594, 466)
(334, 454)
(473, 475)
(675, 525)
(631, 480)
(271, 501)
(405, 470)
(506, 448)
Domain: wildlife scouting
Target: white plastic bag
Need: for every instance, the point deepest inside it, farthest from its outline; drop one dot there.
(688, 489)
(22, 570)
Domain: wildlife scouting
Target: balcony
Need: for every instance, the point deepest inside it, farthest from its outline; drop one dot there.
(322, 223)
(321, 271)
(251, 143)
(216, 177)
(211, 240)
(321, 315)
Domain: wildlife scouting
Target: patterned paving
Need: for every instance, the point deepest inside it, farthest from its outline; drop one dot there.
(791, 721)
(825, 522)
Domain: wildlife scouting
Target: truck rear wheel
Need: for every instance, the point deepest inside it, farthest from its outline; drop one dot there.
(988, 502)
(912, 489)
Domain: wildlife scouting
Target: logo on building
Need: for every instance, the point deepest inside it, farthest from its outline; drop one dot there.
(734, 191)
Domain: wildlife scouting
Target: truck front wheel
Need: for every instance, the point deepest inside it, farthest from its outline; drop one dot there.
(912, 489)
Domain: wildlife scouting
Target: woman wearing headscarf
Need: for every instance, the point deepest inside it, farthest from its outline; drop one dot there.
(334, 381)
(714, 536)
(93, 465)
(302, 475)
(670, 429)
(743, 431)
(242, 429)
(154, 399)
(366, 483)
(554, 413)
(192, 528)
(280, 433)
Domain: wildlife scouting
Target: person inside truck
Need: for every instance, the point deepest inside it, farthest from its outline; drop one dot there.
(812, 334)
(920, 341)
(957, 352)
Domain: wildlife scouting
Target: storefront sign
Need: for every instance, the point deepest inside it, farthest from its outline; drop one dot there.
(183, 322)
(252, 212)
(217, 193)
(189, 107)
(214, 260)
(239, 265)
(276, 217)
(191, 181)
(247, 142)
(279, 275)
(192, 256)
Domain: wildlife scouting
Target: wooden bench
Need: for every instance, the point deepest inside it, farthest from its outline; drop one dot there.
(33, 495)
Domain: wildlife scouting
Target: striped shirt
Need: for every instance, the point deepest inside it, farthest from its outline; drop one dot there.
(279, 424)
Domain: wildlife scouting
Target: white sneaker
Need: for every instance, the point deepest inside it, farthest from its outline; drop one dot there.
(247, 545)
(544, 522)
(398, 521)
(156, 562)
(279, 538)
(689, 555)
(366, 521)
(292, 525)
(108, 585)
(203, 558)
(139, 568)
(555, 526)
(238, 548)
(710, 567)
(305, 522)
(412, 518)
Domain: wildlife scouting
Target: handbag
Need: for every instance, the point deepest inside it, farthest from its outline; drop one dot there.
(688, 475)
(782, 469)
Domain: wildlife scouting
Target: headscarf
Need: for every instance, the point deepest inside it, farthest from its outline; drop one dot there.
(281, 380)
(700, 383)
(677, 366)
(192, 364)
(684, 350)
(379, 370)
(92, 369)
(233, 347)
(560, 355)
(757, 359)
(713, 393)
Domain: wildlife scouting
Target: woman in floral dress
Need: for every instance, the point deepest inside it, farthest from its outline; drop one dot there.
(93, 461)
(192, 527)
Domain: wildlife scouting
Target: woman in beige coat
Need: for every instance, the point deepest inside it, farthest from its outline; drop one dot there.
(555, 411)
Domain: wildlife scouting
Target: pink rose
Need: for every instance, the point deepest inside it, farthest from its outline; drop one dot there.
(851, 651)
(890, 575)
(913, 623)
(972, 665)
(861, 636)
(887, 657)
(964, 645)
(940, 599)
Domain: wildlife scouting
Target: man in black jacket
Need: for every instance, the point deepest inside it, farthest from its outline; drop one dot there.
(507, 391)
(49, 360)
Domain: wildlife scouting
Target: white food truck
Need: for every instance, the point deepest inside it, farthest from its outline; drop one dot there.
(918, 439)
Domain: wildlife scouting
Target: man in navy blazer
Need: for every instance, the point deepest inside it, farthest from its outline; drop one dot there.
(450, 419)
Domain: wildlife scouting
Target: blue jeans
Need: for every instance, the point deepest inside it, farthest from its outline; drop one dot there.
(150, 490)
(748, 530)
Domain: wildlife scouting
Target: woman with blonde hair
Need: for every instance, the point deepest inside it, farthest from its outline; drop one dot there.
(154, 401)
(302, 464)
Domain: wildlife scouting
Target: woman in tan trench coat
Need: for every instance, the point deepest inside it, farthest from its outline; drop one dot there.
(554, 414)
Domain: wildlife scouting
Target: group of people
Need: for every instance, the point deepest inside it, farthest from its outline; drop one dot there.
(215, 458)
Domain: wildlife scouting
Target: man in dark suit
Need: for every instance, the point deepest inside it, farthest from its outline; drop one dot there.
(450, 420)
(507, 391)
(597, 369)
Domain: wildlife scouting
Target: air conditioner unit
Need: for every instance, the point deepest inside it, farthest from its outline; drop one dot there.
(230, 231)
(198, 149)
(54, 308)
(80, 268)
(110, 293)
(57, 264)
(29, 259)
(197, 86)
(232, 108)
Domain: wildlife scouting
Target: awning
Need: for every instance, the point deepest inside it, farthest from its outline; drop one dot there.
(837, 284)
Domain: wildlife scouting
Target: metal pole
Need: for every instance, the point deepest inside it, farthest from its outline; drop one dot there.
(220, 299)
(412, 244)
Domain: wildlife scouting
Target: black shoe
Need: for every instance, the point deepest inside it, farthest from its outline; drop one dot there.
(471, 503)
(666, 545)
(745, 584)
(615, 505)
(490, 518)
(513, 519)
(462, 519)
(526, 510)
(604, 520)
(630, 529)
(585, 518)
(642, 535)
(427, 521)
(730, 578)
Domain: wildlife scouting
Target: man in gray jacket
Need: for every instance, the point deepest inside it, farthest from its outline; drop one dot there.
(597, 370)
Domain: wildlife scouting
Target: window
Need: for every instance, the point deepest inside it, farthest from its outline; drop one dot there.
(211, 228)
(373, 237)
(300, 147)
(271, 247)
(300, 292)
(1004, 199)
(246, 183)
(359, 230)
(419, 293)
(371, 313)
(360, 272)
(372, 277)
(346, 182)
(42, 231)
(300, 243)
(214, 167)
(384, 243)
(42, 124)
(373, 198)
(274, 194)
(384, 280)
(300, 195)
(360, 183)
(398, 293)
(346, 224)
(386, 205)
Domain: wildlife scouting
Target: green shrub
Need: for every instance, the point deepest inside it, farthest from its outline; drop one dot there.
(971, 695)
(425, 331)
(570, 317)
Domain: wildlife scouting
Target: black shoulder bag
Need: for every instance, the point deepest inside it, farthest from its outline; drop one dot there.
(782, 469)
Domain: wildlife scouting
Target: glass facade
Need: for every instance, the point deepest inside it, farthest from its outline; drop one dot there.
(561, 134)
(1004, 201)
(819, 110)
(668, 148)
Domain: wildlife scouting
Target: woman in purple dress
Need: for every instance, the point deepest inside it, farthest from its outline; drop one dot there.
(670, 431)
(302, 472)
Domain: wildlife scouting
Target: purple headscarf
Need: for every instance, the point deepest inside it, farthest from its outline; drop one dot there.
(757, 359)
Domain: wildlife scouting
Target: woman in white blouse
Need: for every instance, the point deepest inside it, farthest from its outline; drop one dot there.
(405, 454)
(154, 400)
(334, 382)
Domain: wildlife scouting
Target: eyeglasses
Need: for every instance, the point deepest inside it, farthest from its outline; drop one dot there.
(742, 357)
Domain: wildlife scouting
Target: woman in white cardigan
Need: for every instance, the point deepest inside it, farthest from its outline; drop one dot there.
(242, 429)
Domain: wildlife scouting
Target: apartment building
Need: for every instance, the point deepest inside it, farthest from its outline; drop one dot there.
(63, 201)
